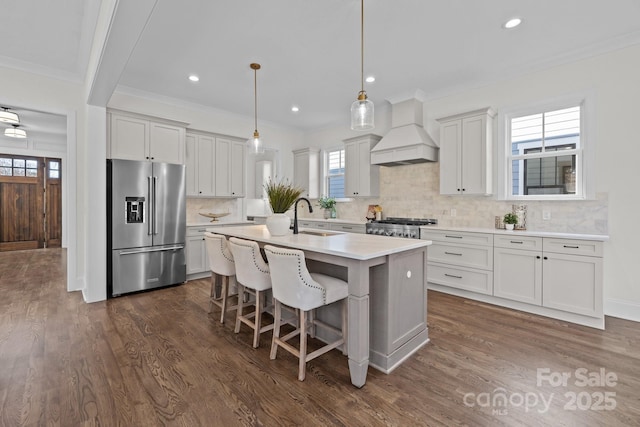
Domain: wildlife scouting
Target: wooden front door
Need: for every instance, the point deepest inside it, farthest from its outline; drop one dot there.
(25, 213)
(53, 203)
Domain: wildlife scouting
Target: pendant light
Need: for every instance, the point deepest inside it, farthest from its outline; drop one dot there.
(15, 132)
(7, 116)
(362, 108)
(256, 145)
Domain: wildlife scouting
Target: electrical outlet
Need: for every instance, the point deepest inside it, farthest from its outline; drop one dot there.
(453, 212)
(546, 215)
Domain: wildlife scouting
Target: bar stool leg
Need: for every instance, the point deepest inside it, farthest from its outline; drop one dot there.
(240, 307)
(212, 294)
(225, 296)
(303, 346)
(276, 329)
(257, 321)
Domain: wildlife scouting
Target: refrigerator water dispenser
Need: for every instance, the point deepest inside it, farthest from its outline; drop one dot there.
(135, 210)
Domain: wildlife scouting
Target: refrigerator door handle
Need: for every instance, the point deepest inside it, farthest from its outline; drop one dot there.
(155, 183)
(145, 250)
(149, 213)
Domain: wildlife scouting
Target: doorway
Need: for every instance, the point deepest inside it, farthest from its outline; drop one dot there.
(30, 202)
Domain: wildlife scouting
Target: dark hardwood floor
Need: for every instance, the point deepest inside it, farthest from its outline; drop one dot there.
(158, 358)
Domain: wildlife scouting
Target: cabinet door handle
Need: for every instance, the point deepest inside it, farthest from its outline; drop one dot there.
(452, 253)
(453, 237)
(537, 256)
(517, 241)
(571, 247)
(545, 258)
(454, 276)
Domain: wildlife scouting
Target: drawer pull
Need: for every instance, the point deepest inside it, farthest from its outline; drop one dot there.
(202, 231)
(451, 275)
(452, 253)
(571, 247)
(517, 241)
(347, 228)
(453, 237)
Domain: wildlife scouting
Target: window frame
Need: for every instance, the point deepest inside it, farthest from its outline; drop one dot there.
(325, 171)
(585, 153)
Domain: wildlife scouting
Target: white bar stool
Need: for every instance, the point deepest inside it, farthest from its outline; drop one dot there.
(252, 276)
(295, 287)
(223, 268)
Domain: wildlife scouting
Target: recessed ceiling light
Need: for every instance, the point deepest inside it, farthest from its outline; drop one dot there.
(295, 108)
(194, 78)
(512, 23)
(370, 79)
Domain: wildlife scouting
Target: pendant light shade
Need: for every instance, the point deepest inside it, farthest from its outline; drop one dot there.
(7, 116)
(15, 132)
(362, 113)
(256, 145)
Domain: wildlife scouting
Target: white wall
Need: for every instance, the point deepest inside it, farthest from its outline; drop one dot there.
(613, 78)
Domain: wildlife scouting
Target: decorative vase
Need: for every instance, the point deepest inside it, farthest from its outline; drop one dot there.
(278, 224)
(327, 213)
(509, 226)
(334, 213)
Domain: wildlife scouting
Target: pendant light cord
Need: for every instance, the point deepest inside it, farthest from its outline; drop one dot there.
(255, 98)
(362, 44)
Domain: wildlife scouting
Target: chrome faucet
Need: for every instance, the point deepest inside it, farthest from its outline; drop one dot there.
(295, 213)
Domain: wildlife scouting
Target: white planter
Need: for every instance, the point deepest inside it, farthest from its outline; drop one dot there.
(278, 224)
(509, 226)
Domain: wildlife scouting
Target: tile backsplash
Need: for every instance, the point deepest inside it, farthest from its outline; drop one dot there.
(414, 191)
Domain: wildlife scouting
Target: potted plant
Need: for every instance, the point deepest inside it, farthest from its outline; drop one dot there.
(510, 220)
(282, 195)
(329, 206)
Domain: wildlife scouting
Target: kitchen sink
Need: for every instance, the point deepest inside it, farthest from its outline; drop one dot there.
(319, 232)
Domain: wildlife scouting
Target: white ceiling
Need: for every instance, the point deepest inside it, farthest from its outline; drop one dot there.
(310, 50)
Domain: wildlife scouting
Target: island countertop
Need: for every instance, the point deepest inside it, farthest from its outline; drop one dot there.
(342, 244)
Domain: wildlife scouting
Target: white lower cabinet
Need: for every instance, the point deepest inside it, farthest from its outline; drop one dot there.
(518, 275)
(517, 268)
(460, 260)
(554, 277)
(572, 283)
(196, 253)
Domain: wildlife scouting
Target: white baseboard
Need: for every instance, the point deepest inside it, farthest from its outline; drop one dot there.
(622, 309)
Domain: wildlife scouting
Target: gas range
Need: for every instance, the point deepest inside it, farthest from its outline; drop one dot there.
(399, 227)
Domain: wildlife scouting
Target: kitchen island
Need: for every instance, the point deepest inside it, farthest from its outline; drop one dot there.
(387, 289)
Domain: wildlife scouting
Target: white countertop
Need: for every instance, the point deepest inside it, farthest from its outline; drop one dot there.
(576, 236)
(346, 245)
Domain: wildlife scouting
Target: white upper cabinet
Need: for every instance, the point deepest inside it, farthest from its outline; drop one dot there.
(215, 166)
(306, 171)
(361, 178)
(466, 153)
(136, 137)
(230, 168)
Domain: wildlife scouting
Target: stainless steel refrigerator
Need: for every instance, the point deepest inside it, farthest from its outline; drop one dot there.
(146, 225)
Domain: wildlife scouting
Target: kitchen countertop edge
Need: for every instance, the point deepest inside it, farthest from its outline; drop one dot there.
(554, 234)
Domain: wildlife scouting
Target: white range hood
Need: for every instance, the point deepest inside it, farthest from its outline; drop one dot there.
(407, 142)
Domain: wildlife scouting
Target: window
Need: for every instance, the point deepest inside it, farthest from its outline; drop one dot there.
(545, 152)
(54, 169)
(18, 166)
(335, 173)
